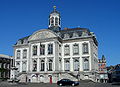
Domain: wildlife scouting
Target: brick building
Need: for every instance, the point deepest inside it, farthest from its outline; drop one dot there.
(103, 76)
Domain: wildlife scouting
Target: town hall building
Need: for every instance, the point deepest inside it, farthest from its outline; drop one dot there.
(49, 55)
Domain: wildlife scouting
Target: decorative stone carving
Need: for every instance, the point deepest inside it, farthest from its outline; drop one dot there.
(42, 34)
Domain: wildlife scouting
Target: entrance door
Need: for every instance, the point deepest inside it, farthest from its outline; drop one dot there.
(50, 79)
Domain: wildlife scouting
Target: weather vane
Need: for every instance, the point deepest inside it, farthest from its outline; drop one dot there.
(54, 8)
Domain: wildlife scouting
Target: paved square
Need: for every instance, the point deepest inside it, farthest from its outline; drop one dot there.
(90, 84)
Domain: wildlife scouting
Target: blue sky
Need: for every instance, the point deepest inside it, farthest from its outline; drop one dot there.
(20, 18)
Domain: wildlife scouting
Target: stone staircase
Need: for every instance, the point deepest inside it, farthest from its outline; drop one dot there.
(22, 76)
(68, 75)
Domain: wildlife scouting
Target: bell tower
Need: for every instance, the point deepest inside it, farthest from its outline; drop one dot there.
(54, 20)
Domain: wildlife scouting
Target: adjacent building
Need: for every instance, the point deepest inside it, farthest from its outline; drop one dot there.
(103, 75)
(5, 65)
(49, 55)
(114, 73)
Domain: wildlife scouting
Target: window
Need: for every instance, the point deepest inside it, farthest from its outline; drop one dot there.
(42, 49)
(52, 21)
(75, 34)
(66, 36)
(25, 41)
(18, 66)
(42, 65)
(8, 66)
(56, 21)
(67, 65)
(85, 64)
(50, 48)
(34, 65)
(34, 50)
(19, 42)
(85, 48)
(67, 50)
(18, 54)
(24, 66)
(75, 49)
(59, 49)
(76, 64)
(24, 53)
(50, 65)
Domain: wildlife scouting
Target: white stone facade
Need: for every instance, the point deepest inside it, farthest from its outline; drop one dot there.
(48, 55)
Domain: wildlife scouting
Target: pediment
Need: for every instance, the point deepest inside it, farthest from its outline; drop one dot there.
(42, 34)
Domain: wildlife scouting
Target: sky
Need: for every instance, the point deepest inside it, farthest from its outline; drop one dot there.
(20, 18)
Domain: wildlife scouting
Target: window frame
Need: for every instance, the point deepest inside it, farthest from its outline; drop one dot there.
(66, 50)
(24, 53)
(75, 48)
(34, 50)
(86, 64)
(42, 49)
(18, 53)
(85, 48)
(50, 49)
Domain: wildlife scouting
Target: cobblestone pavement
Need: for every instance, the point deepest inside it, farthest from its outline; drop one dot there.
(6, 84)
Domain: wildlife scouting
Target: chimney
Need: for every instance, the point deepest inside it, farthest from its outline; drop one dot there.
(65, 28)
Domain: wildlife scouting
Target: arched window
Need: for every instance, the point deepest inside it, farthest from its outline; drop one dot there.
(50, 65)
(76, 64)
(85, 64)
(67, 65)
(42, 65)
(52, 21)
(56, 21)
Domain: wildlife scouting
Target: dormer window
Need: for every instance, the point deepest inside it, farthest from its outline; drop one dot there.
(19, 42)
(75, 34)
(84, 33)
(25, 41)
(66, 36)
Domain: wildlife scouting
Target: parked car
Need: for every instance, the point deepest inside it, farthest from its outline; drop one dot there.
(65, 82)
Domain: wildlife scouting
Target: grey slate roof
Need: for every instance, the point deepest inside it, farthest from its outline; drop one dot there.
(70, 32)
(80, 32)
